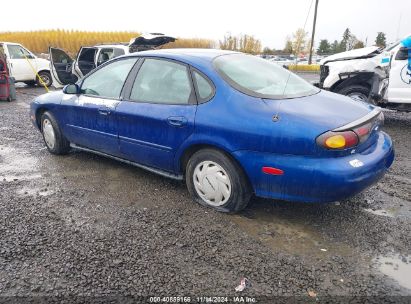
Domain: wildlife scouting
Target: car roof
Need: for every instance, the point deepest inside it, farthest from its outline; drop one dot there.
(189, 55)
(5, 42)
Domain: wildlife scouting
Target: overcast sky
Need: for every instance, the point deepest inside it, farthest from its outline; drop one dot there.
(269, 21)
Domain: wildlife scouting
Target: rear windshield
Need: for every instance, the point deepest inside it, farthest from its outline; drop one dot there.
(261, 78)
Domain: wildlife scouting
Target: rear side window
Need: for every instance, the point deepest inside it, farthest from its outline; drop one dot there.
(118, 52)
(109, 80)
(204, 89)
(162, 81)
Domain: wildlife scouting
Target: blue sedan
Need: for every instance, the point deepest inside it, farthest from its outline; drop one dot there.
(232, 125)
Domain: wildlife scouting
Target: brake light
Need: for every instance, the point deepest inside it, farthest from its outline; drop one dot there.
(338, 140)
(363, 132)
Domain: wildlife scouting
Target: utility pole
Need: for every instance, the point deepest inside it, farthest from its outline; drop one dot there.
(313, 33)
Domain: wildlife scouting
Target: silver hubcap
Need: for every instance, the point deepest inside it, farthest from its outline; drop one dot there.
(48, 133)
(45, 79)
(212, 183)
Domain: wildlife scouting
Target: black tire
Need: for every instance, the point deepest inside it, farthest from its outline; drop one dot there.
(241, 191)
(61, 144)
(46, 77)
(30, 83)
(360, 91)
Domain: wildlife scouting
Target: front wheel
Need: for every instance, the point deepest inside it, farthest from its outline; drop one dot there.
(45, 78)
(356, 92)
(216, 181)
(54, 139)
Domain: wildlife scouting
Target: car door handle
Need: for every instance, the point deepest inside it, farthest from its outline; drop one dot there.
(177, 121)
(104, 111)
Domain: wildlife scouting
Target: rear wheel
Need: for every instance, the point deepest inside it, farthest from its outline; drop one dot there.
(46, 79)
(356, 92)
(215, 181)
(55, 142)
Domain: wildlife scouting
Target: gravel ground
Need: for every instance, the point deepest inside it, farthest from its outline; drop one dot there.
(84, 226)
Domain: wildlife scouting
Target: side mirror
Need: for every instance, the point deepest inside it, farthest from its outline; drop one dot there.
(71, 89)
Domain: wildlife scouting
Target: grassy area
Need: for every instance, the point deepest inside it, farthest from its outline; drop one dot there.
(304, 67)
(71, 41)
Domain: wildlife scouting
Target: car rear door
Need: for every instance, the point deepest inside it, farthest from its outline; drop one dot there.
(89, 118)
(61, 66)
(157, 113)
(86, 60)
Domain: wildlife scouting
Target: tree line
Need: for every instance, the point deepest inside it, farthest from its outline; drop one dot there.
(348, 42)
(299, 44)
(71, 41)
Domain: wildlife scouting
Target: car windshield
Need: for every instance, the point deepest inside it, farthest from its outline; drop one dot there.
(261, 78)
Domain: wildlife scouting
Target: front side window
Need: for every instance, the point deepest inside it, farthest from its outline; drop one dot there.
(16, 52)
(260, 78)
(162, 81)
(109, 80)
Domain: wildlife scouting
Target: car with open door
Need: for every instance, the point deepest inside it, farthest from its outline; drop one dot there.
(229, 124)
(66, 70)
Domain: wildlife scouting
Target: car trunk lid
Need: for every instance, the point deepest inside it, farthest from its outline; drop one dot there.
(323, 112)
(149, 42)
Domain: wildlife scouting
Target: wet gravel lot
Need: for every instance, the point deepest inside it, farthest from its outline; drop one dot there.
(83, 225)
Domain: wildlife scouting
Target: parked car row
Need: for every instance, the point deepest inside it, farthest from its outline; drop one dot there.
(26, 67)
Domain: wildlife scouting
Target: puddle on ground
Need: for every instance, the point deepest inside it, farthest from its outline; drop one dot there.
(382, 212)
(15, 165)
(35, 191)
(396, 267)
(389, 205)
(288, 234)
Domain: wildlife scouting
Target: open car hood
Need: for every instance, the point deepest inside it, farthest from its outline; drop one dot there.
(353, 54)
(149, 42)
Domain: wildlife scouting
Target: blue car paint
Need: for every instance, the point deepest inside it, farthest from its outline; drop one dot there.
(240, 125)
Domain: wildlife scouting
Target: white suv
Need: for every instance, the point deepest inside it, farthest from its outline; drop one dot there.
(23, 64)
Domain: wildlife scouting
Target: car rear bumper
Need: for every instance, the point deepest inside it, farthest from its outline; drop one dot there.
(317, 179)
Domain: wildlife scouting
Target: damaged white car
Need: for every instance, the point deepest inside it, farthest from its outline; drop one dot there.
(65, 70)
(371, 74)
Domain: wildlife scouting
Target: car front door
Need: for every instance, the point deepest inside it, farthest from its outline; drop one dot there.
(19, 62)
(61, 67)
(158, 113)
(399, 87)
(89, 118)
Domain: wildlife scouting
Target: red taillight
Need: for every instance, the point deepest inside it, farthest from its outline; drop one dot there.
(363, 132)
(338, 140)
(272, 171)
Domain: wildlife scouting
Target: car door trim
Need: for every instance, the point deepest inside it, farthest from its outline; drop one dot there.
(91, 130)
(150, 169)
(145, 143)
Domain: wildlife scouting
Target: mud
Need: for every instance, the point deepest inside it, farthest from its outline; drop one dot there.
(85, 225)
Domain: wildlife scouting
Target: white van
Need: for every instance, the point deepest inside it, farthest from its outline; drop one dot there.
(372, 74)
(20, 68)
(65, 70)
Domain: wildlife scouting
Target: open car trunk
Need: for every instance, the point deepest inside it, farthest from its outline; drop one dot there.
(149, 41)
(61, 67)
